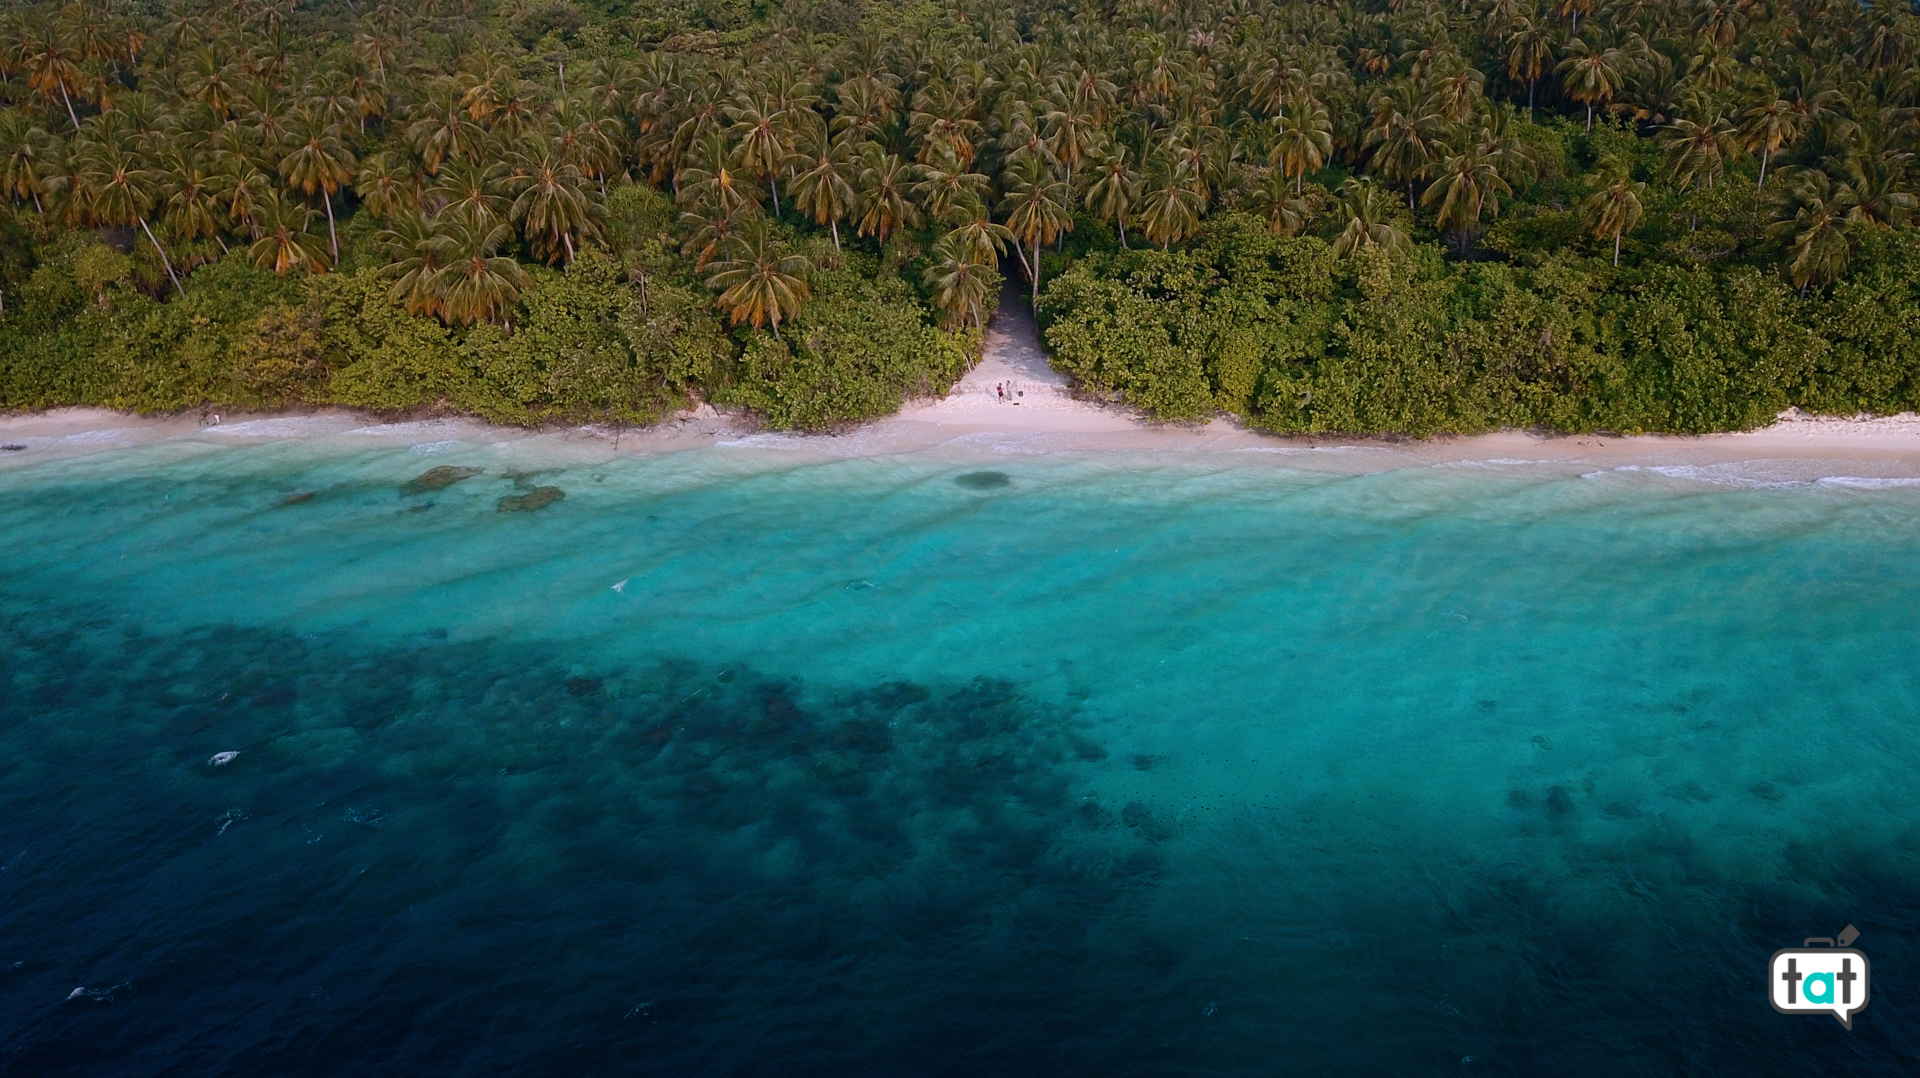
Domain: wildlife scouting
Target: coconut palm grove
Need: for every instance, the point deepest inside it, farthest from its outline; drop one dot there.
(1644, 215)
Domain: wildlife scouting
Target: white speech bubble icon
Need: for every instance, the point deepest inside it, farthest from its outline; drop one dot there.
(1819, 980)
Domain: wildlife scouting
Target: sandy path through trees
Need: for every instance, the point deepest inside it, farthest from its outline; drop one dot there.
(1040, 396)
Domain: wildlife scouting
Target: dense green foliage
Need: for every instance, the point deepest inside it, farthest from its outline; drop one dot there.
(1419, 216)
(1279, 330)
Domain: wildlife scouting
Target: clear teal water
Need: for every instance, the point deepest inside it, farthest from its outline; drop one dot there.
(1069, 764)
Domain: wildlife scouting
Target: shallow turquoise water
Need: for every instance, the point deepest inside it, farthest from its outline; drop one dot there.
(1116, 763)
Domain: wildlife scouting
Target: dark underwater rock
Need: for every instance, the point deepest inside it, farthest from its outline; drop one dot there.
(439, 478)
(1138, 817)
(298, 498)
(537, 498)
(1559, 801)
(983, 480)
(1086, 748)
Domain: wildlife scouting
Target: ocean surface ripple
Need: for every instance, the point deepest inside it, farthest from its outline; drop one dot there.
(316, 762)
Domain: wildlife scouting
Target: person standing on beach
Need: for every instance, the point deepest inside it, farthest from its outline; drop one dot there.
(1000, 390)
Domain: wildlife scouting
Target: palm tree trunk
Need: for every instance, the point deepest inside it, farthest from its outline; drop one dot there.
(1616, 247)
(1530, 83)
(333, 237)
(1122, 221)
(1764, 157)
(1020, 253)
(164, 260)
(565, 238)
(1036, 271)
(69, 101)
(773, 185)
(1589, 115)
(835, 225)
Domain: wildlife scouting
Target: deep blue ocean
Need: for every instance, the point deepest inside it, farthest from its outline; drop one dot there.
(1107, 764)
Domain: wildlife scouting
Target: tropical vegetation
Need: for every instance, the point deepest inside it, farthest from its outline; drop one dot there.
(1356, 216)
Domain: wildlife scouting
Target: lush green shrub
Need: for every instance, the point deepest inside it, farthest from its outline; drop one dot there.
(858, 350)
(592, 343)
(78, 333)
(1276, 331)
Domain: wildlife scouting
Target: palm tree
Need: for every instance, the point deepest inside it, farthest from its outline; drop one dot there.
(319, 162)
(473, 283)
(188, 205)
(442, 130)
(943, 118)
(1697, 150)
(1369, 225)
(240, 190)
(285, 246)
(265, 120)
(50, 59)
(982, 241)
(409, 243)
(1020, 139)
(1072, 133)
(709, 180)
(1172, 206)
(1877, 186)
(1529, 48)
(1115, 190)
(884, 183)
(1305, 140)
(211, 78)
(1404, 134)
(960, 285)
(1614, 205)
(1036, 209)
(23, 153)
(708, 236)
(760, 141)
(1467, 186)
(471, 191)
(1591, 74)
(1767, 125)
(120, 190)
(760, 281)
(822, 188)
(550, 201)
(387, 184)
(947, 191)
(1286, 210)
(1819, 248)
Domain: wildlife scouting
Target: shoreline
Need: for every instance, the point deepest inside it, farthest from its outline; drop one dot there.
(1012, 403)
(975, 424)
